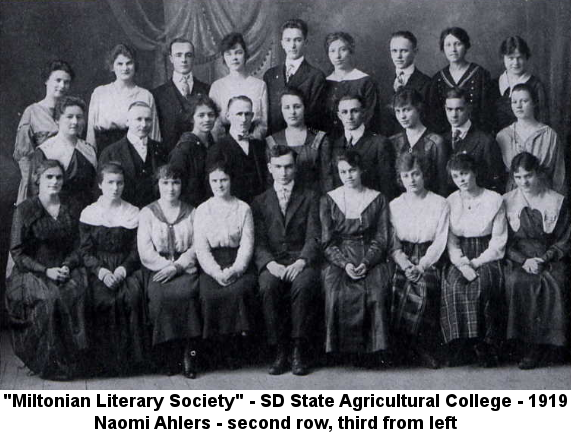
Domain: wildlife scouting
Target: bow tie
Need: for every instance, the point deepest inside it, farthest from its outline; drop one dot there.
(244, 137)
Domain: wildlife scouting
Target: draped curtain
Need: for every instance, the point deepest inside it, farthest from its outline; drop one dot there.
(204, 22)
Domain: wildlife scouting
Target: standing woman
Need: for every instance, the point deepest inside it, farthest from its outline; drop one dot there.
(166, 245)
(37, 123)
(460, 73)
(420, 221)
(108, 230)
(189, 155)
(356, 277)
(515, 54)
(110, 103)
(75, 155)
(312, 147)
(239, 82)
(472, 288)
(527, 134)
(348, 80)
(47, 293)
(537, 268)
(224, 232)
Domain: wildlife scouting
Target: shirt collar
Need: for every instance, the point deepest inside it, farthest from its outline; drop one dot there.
(355, 134)
(234, 134)
(506, 83)
(294, 62)
(463, 129)
(407, 71)
(136, 141)
(279, 187)
(177, 77)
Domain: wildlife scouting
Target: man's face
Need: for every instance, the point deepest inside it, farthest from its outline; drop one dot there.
(182, 57)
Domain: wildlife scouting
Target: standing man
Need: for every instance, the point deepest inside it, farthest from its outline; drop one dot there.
(295, 72)
(287, 228)
(172, 97)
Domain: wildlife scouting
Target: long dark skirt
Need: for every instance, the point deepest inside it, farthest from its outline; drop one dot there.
(227, 310)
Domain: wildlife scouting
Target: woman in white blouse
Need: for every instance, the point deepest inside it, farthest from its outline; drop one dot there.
(420, 221)
(238, 82)
(166, 247)
(224, 233)
(110, 103)
(472, 289)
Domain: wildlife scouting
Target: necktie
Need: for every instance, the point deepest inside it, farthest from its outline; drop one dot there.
(289, 72)
(399, 81)
(350, 142)
(455, 136)
(185, 87)
(283, 201)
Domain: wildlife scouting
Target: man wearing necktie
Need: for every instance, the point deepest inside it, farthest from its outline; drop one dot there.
(287, 233)
(172, 97)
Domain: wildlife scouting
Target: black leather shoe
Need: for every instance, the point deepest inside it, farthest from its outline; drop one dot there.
(486, 355)
(280, 364)
(532, 358)
(298, 367)
(189, 364)
(427, 360)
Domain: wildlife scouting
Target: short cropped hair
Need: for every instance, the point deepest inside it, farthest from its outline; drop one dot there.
(345, 97)
(180, 40)
(230, 40)
(456, 32)
(66, 102)
(239, 98)
(457, 93)
(513, 43)
(111, 167)
(56, 65)
(280, 150)
(407, 35)
(43, 166)
(139, 104)
(340, 36)
(121, 49)
(296, 23)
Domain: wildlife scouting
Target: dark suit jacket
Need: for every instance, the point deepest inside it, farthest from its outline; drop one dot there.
(139, 177)
(309, 80)
(172, 109)
(286, 239)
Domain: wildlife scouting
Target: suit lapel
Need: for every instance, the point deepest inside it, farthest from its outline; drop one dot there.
(127, 159)
(300, 75)
(176, 94)
(295, 201)
(274, 205)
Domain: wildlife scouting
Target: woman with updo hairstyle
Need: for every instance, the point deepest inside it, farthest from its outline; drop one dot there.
(515, 54)
(347, 80)
(527, 134)
(77, 157)
(472, 286)
(356, 276)
(110, 103)
(47, 293)
(420, 221)
(460, 73)
(416, 139)
(108, 231)
(38, 120)
(239, 82)
(537, 266)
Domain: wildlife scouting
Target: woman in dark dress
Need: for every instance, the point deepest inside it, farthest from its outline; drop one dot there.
(312, 147)
(189, 155)
(167, 249)
(537, 267)
(108, 230)
(460, 73)
(356, 277)
(47, 293)
(75, 155)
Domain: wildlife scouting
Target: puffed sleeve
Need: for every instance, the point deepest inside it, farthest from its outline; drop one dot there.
(380, 242)
(246, 248)
(497, 245)
(202, 246)
(21, 240)
(560, 249)
(93, 118)
(150, 258)
(555, 163)
(24, 145)
(328, 238)
(87, 249)
(436, 249)
(263, 110)
(187, 260)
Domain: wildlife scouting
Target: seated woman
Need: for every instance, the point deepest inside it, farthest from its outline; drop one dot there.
(527, 134)
(108, 230)
(47, 292)
(75, 155)
(460, 73)
(239, 82)
(356, 277)
(420, 221)
(189, 155)
(313, 159)
(166, 245)
(515, 54)
(37, 123)
(472, 287)
(224, 232)
(418, 140)
(110, 103)
(537, 267)
(346, 79)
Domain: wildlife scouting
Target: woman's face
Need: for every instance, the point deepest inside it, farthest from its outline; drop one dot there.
(219, 183)
(527, 181)
(50, 181)
(340, 54)
(522, 105)
(412, 180)
(349, 175)
(465, 180)
(454, 49)
(72, 121)
(124, 68)
(203, 119)
(112, 186)
(235, 58)
(408, 116)
(515, 63)
(170, 189)
(293, 110)
(58, 84)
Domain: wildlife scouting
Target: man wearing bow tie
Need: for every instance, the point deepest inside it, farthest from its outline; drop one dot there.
(172, 97)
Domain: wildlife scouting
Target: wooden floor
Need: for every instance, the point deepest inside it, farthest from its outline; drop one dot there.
(14, 376)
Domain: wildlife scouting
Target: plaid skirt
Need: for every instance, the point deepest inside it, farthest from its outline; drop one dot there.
(472, 309)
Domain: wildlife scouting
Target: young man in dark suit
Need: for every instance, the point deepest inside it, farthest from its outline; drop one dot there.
(139, 155)
(287, 233)
(171, 98)
(295, 72)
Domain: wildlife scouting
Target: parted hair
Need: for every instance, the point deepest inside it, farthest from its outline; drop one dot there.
(528, 88)
(66, 102)
(121, 49)
(408, 96)
(456, 32)
(409, 161)
(43, 166)
(202, 100)
(278, 150)
(529, 162)
(56, 65)
(111, 167)
(296, 23)
(230, 40)
(407, 35)
(292, 91)
(351, 157)
(513, 43)
(342, 36)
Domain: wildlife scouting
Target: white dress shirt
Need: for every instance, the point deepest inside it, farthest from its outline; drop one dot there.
(244, 144)
(179, 79)
(352, 136)
(140, 145)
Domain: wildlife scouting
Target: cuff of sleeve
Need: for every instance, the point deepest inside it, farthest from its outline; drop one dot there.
(121, 272)
(102, 273)
(462, 261)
